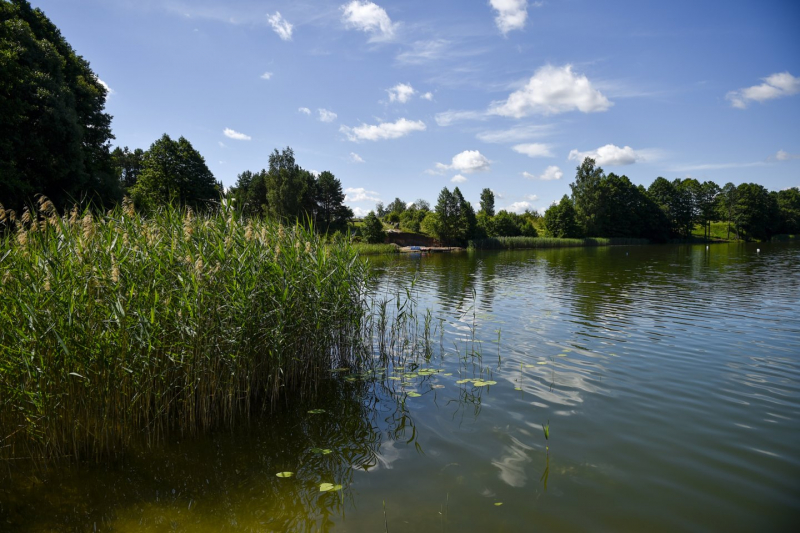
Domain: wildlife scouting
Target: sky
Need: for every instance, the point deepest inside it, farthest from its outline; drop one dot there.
(401, 98)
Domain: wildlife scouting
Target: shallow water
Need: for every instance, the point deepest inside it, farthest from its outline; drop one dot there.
(670, 377)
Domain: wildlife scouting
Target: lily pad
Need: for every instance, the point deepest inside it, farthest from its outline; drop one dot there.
(321, 451)
(462, 381)
(413, 394)
(517, 388)
(530, 366)
(448, 374)
(285, 474)
(541, 363)
(498, 504)
(562, 355)
(328, 487)
(394, 378)
(437, 386)
(316, 411)
(484, 383)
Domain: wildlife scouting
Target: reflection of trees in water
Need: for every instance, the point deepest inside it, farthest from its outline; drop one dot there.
(227, 480)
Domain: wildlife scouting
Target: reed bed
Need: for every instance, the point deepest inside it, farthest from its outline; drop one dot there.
(513, 243)
(373, 249)
(119, 329)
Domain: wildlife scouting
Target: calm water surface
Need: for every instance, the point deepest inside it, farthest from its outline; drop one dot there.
(670, 377)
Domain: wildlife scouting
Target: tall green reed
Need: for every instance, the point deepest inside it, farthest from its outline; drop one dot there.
(119, 329)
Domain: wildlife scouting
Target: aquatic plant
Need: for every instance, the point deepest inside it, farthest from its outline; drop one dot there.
(120, 328)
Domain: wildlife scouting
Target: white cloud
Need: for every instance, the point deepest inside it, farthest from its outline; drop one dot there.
(109, 90)
(355, 158)
(518, 207)
(534, 150)
(511, 14)
(552, 90)
(468, 162)
(360, 212)
(402, 92)
(515, 134)
(774, 86)
(385, 130)
(427, 96)
(551, 173)
(614, 155)
(304, 110)
(458, 178)
(370, 18)
(222, 144)
(360, 194)
(423, 52)
(446, 118)
(531, 197)
(281, 26)
(266, 75)
(231, 134)
(326, 116)
(786, 156)
(717, 166)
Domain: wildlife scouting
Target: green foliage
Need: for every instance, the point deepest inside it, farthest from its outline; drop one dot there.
(372, 229)
(560, 220)
(250, 193)
(128, 166)
(788, 201)
(54, 133)
(455, 221)
(411, 219)
(330, 212)
(288, 187)
(506, 225)
(585, 195)
(173, 172)
(519, 243)
(756, 211)
(397, 206)
(487, 202)
(174, 322)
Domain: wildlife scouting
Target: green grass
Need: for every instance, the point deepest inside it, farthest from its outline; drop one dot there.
(363, 248)
(719, 232)
(118, 329)
(512, 243)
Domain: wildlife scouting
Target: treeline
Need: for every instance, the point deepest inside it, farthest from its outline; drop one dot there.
(55, 141)
(607, 205)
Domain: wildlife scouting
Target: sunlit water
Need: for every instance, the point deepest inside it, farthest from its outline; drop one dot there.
(670, 377)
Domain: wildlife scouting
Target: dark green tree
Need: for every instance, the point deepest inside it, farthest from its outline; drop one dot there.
(507, 224)
(372, 229)
(250, 193)
(54, 132)
(128, 165)
(561, 220)
(397, 206)
(487, 202)
(727, 200)
(585, 195)
(287, 187)
(448, 211)
(467, 221)
(788, 201)
(757, 211)
(174, 172)
(331, 213)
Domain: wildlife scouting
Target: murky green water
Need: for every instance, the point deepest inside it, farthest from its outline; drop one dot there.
(670, 376)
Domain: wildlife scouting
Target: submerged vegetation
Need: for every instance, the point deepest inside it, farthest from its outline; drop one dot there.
(116, 329)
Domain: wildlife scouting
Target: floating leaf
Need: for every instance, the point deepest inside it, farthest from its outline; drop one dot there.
(448, 374)
(498, 504)
(321, 451)
(541, 363)
(409, 376)
(327, 487)
(437, 386)
(517, 388)
(462, 381)
(530, 366)
(285, 474)
(316, 411)
(562, 355)
(484, 383)
(394, 378)
(413, 394)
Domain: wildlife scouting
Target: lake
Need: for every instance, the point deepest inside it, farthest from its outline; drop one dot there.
(669, 377)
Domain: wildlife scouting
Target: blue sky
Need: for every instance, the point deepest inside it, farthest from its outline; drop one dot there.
(401, 98)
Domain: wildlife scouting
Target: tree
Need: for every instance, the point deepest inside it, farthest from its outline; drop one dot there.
(506, 225)
(467, 222)
(422, 205)
(174, 172)
(287, 186)
(487, 202)
(788, 201)
(250, 193)
(128, 166)
(756, 211)
(447, 214)
(380, 210)
(726, 205)
(397, 206)
(331, 213)
(561, 220)
(54, 133)
(372, 229)
(585, 195)
(706, 201)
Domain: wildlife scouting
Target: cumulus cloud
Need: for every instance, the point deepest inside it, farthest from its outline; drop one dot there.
(511, 14)
(551, 173)
(533, 150)
(355, 158)
(360, 212)
(786, 156)
(326, 116)
(232, 134)
(369, 18)
(531, 197)
(109, 90)
(427, 96)
(458, 178)
(515, 134)
(402, 92)
(774, 86)
(468, 162)
(518, 207)
(552, 90)
(613, 155)
(281, 26)
(304, 110)
(385, 130)
(266, 75)
(360, 194)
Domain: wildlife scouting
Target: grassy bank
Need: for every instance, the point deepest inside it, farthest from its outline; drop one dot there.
(119, 328)
(363, 248)
(513, 243)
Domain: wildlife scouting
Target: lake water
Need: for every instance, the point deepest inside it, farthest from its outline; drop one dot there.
(669, 375)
